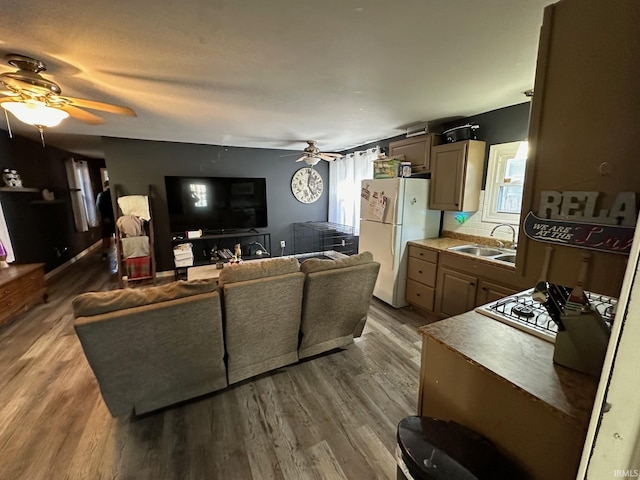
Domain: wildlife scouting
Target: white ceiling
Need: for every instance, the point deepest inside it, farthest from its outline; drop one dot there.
(272, 73)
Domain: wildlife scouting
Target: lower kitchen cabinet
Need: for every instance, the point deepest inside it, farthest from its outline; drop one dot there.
(443, 284)
(536, 412)
(421, 278)
(455, 292)
(489, 292)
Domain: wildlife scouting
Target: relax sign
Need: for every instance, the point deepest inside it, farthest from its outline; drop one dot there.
(581, 207)
(570, 218)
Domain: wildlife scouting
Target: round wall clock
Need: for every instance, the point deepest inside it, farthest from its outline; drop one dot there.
(306, 185)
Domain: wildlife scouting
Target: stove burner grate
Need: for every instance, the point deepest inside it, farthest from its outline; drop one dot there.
(521, 311)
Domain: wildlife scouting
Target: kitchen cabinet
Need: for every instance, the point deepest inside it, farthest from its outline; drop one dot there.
(421, 278)
(563, 156)
(502, 383)
(416, 150)
(441, 283)
(490, 291)
(456, 292)
(456, 176)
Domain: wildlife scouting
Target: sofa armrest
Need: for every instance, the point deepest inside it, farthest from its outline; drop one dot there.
(151, 356)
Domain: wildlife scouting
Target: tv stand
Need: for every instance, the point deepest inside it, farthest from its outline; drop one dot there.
(250, 242)
(208, 233)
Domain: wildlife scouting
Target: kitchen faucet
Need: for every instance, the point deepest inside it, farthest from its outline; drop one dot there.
(514, 244)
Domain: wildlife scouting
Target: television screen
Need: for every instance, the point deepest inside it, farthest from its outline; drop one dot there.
(215, 204)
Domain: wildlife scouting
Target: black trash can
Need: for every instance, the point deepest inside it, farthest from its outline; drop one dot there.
(432, 449)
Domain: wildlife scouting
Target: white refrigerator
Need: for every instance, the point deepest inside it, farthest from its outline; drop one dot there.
(394, 211)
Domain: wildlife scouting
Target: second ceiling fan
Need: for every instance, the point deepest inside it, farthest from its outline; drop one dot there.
(311, 155)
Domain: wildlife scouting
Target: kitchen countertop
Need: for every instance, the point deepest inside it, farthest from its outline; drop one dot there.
(522, 360)
(442, 244)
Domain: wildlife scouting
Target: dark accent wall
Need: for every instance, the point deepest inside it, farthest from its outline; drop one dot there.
(43, 232)
(509, 124)
(134, 165)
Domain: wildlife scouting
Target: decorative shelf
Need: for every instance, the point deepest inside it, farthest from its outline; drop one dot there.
(18, 189)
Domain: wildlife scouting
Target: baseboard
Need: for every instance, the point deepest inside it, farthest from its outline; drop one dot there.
(73, 260)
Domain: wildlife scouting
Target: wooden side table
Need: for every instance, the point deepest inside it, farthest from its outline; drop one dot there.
(21, 286)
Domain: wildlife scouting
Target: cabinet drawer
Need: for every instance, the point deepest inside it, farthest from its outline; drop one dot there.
(420, 295)
(423, 272)
(10, 306)
(34, 281)
(423, 254)
(11, 288)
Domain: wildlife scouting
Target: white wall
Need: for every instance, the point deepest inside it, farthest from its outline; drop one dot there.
(472, 224)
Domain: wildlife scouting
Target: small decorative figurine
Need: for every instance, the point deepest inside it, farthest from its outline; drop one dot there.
(11, 178)
(237, 253)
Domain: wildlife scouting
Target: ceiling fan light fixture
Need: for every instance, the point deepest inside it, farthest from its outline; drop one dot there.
(36, 113)
(311, 161)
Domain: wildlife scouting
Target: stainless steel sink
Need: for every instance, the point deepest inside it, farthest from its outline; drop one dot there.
(477, 250)
(500, 254)
(506, 257)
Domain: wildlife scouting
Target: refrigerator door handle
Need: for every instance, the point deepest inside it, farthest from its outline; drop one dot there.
(393, 247)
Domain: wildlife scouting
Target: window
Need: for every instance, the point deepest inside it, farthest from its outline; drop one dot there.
(345, 177)
(505, 178)
(198, 194)
(83, 203)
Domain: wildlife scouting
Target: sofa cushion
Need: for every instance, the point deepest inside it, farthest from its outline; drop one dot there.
(319, 265)
(256, 270)
(96, 303)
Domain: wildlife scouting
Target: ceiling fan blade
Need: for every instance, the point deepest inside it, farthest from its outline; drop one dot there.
(302, 158)
(326, 157)
(79, 114)
(335, 155)
(103, 107)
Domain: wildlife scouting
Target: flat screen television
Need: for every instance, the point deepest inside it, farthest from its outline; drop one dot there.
(216, 204)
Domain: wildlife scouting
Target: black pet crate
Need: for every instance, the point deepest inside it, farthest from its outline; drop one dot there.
(322, 237)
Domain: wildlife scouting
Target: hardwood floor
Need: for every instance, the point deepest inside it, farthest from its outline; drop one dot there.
(329, 417)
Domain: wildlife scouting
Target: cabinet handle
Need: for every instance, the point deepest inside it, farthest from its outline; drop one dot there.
(417, 294)
(7, 292)
(456, 204)
(419, 271)
(484, 288)
(472, 284)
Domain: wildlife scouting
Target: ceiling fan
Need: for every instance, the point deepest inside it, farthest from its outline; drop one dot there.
(37, 101)
(311, 155)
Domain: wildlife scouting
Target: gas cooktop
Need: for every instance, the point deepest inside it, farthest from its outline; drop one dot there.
(522, 312)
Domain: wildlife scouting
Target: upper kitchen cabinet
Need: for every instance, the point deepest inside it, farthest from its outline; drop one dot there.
(416, 150)
(586, 79)
(456, 176)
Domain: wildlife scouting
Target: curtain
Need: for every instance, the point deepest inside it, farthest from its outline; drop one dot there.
(345, 176)
(4, 236)
(82, 200)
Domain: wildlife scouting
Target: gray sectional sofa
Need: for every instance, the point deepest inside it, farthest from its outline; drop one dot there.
(157, 346)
